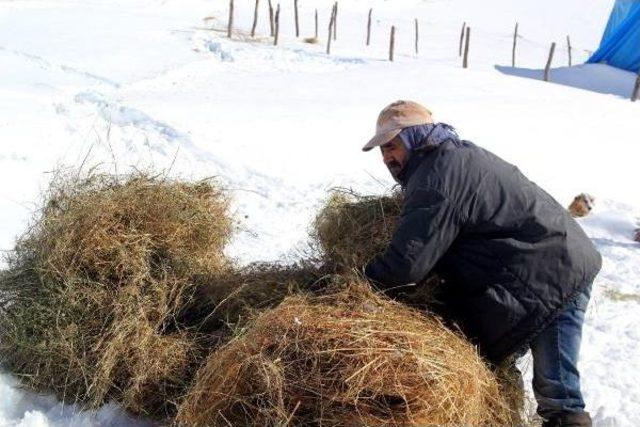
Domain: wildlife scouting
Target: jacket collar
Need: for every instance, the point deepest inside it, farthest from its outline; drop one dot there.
(414, 162)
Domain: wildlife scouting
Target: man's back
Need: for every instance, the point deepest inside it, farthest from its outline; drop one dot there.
(513, 257)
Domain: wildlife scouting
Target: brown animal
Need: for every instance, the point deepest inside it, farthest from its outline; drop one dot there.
(581, 205)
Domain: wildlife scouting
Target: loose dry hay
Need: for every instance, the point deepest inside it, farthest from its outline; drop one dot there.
(512, 388)
(581, 205)
(88, 306)
(121, 287)
(347, 358)
(223, 303)
(351, 228)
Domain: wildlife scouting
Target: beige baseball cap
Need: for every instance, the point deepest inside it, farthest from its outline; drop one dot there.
(395, 117)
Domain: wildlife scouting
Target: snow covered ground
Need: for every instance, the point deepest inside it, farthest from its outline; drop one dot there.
(152, 83)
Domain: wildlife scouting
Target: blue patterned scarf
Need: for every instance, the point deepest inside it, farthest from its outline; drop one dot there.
(426, 137)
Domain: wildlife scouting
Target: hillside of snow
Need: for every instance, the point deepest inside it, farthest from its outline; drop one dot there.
(156, 83)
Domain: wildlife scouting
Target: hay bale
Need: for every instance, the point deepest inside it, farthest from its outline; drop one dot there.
(350, 229)
(89, 303)
(347, 358)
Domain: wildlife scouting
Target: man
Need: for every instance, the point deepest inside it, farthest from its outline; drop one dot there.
(518, 268)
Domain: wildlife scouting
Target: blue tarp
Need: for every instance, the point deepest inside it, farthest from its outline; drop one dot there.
(620, 45)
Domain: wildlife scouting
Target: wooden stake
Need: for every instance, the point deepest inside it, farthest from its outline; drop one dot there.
(277, 24)
(316, 18)
(333, 12)
(569, 49)
(636, 90)
(295, 7)
(271, 20)
(416, 36)
(392, 42)
(465, 61)
(515, 41)
(369, 27)
(464, 24)
(335, 22)
(230, 24)
(548, 66)
(255, 20)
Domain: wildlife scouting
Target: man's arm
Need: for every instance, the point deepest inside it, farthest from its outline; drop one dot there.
(428, 225)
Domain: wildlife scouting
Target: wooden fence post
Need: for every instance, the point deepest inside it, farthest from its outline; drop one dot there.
(548, 66)
(464, 24)
(369, 27)
(465, 61)
(272, 24)
(295, 7)
(335, 22)
(569, 49)
(316, 19)
(230, 24)
(255, 19)
(636, 90)
(513, 53)
(416, 36)
(331, 23)
(392, 42)
(277, 24)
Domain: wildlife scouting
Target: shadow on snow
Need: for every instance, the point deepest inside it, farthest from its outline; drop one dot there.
(598, 78)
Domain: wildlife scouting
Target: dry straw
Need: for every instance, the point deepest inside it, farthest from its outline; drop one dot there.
(89, 303)
(120, 289)
(223, 303)
(350, 229)
(349, 357)
(512, 388)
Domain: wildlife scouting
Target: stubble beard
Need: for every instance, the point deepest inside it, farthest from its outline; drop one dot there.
(395, 168)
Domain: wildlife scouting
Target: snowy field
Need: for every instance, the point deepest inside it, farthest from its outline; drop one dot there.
(150, 83)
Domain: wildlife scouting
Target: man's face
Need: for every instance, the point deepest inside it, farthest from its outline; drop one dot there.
(394, 156)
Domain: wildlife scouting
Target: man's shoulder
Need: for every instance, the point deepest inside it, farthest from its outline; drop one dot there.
(451, 159)
(453, 169)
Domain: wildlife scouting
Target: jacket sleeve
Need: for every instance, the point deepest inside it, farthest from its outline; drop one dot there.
(427, 227)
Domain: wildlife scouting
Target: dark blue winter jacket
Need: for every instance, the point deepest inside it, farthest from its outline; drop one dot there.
(512, 257)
